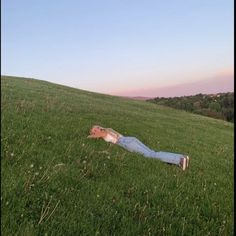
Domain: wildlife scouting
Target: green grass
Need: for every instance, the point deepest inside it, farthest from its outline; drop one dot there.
(55, 181)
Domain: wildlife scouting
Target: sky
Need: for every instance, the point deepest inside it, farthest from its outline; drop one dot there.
(121, 47)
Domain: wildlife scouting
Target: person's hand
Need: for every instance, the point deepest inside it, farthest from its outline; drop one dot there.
(92, 136)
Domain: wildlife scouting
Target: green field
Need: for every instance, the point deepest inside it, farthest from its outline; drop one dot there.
(55, 181)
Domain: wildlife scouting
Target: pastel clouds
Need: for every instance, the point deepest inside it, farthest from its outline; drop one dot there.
(223, 81)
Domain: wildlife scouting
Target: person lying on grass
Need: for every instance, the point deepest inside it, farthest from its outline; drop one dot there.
(132, 144)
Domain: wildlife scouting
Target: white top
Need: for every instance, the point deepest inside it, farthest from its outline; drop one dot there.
(110, 138)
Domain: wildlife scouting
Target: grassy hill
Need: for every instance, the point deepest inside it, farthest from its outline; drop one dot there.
(57, 182)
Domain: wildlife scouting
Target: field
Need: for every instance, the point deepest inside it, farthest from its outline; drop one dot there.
(55, 181)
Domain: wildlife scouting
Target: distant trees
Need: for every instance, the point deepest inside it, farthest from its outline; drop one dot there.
(220, 106)
(214, 106)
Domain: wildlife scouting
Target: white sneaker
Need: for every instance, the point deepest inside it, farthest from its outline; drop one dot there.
(187, 159)
(183, 163)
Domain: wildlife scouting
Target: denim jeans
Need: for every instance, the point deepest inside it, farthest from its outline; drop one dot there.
(132, 144)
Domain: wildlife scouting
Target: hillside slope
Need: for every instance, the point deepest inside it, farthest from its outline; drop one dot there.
(57, 182)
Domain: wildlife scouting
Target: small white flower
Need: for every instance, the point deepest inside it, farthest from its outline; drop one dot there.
(98, 195)
(82, 144)
(108, 157)
(7, 203)
(215, 184)
(32, 165)
(84, 162)
(12, 154)
(40, 167)
(22, 215)
(36, 173)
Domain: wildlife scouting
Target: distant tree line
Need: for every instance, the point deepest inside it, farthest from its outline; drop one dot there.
(220, 105)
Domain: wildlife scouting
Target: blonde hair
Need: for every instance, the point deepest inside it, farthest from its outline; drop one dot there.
(111, 131)
(98, 126)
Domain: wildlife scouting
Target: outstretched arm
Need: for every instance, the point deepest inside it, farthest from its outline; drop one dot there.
(93, 136)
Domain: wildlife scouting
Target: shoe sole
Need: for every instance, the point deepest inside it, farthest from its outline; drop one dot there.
(187, 161)
(184, 164)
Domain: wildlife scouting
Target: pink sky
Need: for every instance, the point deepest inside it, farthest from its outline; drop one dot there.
(222, 82)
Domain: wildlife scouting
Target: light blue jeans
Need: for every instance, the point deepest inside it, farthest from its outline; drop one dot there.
(132, 144)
